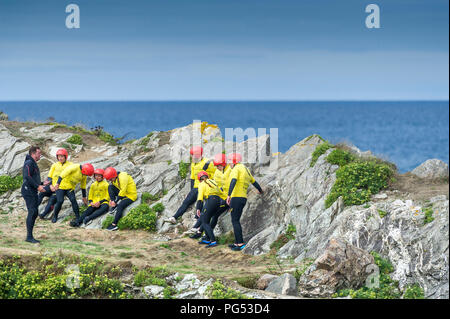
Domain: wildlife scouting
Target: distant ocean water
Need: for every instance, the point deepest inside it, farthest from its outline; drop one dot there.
(406, 133)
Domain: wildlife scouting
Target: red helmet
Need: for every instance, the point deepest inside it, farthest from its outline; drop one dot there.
(110, 173)
(201, 174)
(196, 150)
(220, 159)
(62, 151)
(99, 171)
(234, 158)
(87, 169)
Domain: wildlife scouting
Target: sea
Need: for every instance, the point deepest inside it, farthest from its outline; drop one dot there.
(404, 132)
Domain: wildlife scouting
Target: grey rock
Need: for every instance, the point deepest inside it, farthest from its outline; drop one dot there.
(264, 281)
(285, 284)
(432, 168)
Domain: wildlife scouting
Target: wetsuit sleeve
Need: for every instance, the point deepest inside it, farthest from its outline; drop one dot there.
(232, 185)
(192, 183)
(27, 169)
(83, 184)
(258, 187)
(83, 192)
(199, 205)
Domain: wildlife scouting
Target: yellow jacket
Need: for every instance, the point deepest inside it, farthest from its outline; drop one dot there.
(209, 188)
(98, 192)
(223, 178)
(202, 166)
(243, 179)
(126, 186)
(71, 176)
(56, 169)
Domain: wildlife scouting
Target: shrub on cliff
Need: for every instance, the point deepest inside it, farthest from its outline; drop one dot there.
(8, 183)
(140, 217)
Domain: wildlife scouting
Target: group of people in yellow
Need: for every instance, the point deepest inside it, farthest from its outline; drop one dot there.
(216, 186)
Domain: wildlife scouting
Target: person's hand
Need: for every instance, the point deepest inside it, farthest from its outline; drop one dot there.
(112, 203)
(97, 204)
(228, 200)
(52, 188)
(56, 187)
(46, 182)
(198, 213)
(41, 189)
(85, 201)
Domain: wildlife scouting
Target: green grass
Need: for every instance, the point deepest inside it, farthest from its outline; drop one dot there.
(219, 291)
(382, 213)
(140, 217)
(284, 238)
(340, 157)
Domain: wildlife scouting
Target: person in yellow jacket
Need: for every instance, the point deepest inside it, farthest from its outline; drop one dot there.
(240, 180)
(53, 175)
(98, 199)
(198, 164)
(209, 199)
(221, 177)
(70, 177)
(122, 193)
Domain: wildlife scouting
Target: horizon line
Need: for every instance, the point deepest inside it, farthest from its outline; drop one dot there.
(231, 100)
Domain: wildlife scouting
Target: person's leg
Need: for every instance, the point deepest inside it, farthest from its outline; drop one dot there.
(237, 206)
(60, 194)
(190, 199)
(113, 192)
(124, 203)
(211, 209)
(50, 205)
(103, 209)
(31, 201)
(223, 207)
(47, 193)
(73, 201)
(86, 213)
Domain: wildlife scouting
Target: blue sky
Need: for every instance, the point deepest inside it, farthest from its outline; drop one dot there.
(224, 50)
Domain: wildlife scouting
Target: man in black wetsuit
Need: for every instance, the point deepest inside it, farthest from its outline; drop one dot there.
(31, 186)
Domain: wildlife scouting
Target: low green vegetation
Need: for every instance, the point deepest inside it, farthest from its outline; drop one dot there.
(340, 157)
(140, 217)
(301, 270)
(387, 289)
(357, 181)
(107, 221)
(382, 213)
(219, 291)
(59, 277)
(320, 150)
(248, 281)
(183, 169)
(284, 238)
(151, 276)
(75, 139)
(8, 183)
(105, 136)
(428, 215)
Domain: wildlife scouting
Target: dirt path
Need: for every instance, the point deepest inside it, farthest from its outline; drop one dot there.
(139, 248)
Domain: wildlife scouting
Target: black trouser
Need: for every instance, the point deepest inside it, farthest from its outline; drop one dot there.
(60, 194)
(190, 199)
(47, 193)
(237, 206)
(214, 208)
(123, 203)
(93, 212)
(31, 200)
(215, 217)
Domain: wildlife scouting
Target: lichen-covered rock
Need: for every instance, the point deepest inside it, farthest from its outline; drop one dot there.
(285, 284)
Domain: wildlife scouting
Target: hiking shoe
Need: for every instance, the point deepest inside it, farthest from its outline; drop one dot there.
(87, 221)
(232, 245)
(196, 236)
(54, 219)
(237, 248)
(74, 223)
(211, 244)
(204, 242)
(171, 220)
(112, 227)
(32, 240)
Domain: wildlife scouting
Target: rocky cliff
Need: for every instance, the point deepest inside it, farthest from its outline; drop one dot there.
(392, 223)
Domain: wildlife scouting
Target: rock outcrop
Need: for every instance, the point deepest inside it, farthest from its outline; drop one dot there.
(432, 168)
(294, 194)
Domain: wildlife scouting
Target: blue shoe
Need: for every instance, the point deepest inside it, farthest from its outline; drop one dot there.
(211, 244)
(237, 248)
(204, 242)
